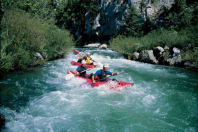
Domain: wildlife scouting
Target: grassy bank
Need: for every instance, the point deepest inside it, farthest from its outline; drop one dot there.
(162, 37)
(23, 36)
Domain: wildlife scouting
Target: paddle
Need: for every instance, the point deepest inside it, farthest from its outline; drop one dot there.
(71, 75)
(76, 52)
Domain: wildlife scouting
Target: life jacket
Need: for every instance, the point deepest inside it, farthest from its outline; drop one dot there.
(102, 76)
(88, 60)
(83, 74)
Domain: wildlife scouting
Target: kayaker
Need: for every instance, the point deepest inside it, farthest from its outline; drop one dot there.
(83, 57)
(89, 60)
(101, 75)
(81, 70)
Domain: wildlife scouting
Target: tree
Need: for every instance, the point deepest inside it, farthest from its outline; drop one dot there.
(133, 23)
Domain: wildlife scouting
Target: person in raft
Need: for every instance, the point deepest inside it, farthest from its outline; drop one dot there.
(102, 74)
(89, 60)
(82, 57)
(81, 70)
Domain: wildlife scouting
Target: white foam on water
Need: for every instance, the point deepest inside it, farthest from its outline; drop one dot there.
(74, 105)
(148, 100)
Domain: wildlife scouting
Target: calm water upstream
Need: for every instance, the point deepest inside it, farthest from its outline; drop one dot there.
(163, 99)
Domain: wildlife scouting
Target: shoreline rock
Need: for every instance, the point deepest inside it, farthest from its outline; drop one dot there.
(163, 56)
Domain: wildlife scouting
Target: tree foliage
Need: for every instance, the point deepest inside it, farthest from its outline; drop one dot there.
(72, 16)
(134, 23)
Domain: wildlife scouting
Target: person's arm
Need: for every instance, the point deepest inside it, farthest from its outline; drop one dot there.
(77, 71)
(94, 75)
(92, 59)
(112, 74)
(115, 73)
(93, 79)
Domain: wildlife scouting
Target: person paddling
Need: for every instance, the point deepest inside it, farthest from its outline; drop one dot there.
(102, 74)
(81, 70)
(89, 60)
(83, 57)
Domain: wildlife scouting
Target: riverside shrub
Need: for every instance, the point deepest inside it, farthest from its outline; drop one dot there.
(23, 36)
(162, 37)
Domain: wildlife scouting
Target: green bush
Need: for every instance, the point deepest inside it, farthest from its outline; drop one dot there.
(191, 55)
(23, 36)
(162, 37)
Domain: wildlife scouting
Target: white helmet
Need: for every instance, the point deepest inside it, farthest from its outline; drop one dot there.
(106, 65)
(83, 62)
(88, 54)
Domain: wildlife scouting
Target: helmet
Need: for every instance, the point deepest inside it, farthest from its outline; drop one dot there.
(88, 54)
(83, 62)
(106, 65)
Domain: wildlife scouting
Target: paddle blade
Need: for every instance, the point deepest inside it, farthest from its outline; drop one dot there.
(76, 52)
(69, 76)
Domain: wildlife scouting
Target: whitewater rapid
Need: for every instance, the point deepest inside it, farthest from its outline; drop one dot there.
(162, 99)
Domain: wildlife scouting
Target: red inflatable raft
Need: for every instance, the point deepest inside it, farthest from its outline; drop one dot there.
(79, 64)
(117, 85)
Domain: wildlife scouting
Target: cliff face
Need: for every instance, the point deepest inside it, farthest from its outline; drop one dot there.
(111, 17)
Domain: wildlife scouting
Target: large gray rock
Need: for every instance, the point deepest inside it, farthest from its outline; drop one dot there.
(38, 55)
(158, 51)
(135, 56)
(176, 51)
(148, 56)
(103, 46)
(176, 60)
(166, 47)
(163, 59)
(112, 15)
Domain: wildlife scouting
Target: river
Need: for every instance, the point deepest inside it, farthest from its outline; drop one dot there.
(162, 99)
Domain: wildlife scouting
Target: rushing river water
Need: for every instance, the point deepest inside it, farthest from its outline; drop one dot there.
(163, 99)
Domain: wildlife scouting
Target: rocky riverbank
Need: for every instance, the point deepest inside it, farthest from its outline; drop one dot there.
(170, 56)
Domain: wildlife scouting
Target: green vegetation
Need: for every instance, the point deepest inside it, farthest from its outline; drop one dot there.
(162, 37)
(29, 38)
(134, 26)
(72, 16)
(177, 27)
(191, 55)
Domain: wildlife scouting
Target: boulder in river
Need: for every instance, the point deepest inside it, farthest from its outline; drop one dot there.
(135, 56)
(103, 46)
(148, 56)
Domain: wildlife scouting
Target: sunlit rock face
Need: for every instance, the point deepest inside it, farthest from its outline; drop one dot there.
(112, 15)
